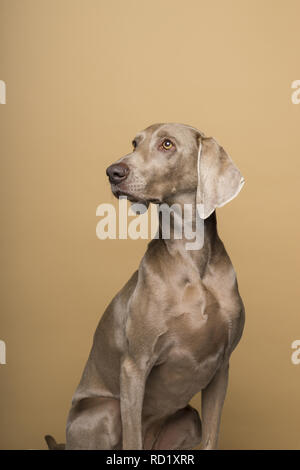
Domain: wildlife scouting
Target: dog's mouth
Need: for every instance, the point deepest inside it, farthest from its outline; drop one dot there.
(119, 192)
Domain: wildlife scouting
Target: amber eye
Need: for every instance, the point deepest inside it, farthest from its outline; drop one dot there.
(167, 144)
(134, 144)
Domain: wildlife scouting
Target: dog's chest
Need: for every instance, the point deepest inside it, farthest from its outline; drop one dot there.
(193, 336)
(187, 361)
(181, 306)
(187, 327)
(186, 335)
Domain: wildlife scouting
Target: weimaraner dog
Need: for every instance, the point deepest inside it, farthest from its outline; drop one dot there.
(170, 331)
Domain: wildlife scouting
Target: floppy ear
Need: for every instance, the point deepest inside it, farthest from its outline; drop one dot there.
(219, 180)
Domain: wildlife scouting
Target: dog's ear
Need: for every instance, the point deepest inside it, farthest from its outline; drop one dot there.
(219, 180)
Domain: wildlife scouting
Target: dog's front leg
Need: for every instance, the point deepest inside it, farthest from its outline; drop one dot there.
(213, 397)
(132, 387)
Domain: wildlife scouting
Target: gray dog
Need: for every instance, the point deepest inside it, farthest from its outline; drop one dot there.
(170, 331)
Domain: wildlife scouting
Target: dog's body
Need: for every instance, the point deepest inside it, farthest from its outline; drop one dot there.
(170, 331)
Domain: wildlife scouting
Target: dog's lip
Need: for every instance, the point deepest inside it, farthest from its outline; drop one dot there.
(119, 192)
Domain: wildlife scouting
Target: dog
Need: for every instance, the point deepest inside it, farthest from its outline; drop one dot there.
(52, 444)
(170, 331)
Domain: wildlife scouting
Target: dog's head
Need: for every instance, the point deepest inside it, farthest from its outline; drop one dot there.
(172, 159)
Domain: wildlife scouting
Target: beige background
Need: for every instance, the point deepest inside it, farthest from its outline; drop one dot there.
(82, 78)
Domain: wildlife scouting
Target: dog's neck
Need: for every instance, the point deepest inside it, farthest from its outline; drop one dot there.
(208, 235)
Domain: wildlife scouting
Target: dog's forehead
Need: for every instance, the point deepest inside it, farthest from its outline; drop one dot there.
(147, 133)
(177, 130)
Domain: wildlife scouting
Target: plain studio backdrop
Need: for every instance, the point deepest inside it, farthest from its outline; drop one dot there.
(82, 77)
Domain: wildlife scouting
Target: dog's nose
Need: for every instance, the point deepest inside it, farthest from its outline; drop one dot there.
(117, 172)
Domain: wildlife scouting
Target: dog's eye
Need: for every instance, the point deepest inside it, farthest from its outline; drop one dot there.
(167, 144)
(134, 144)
